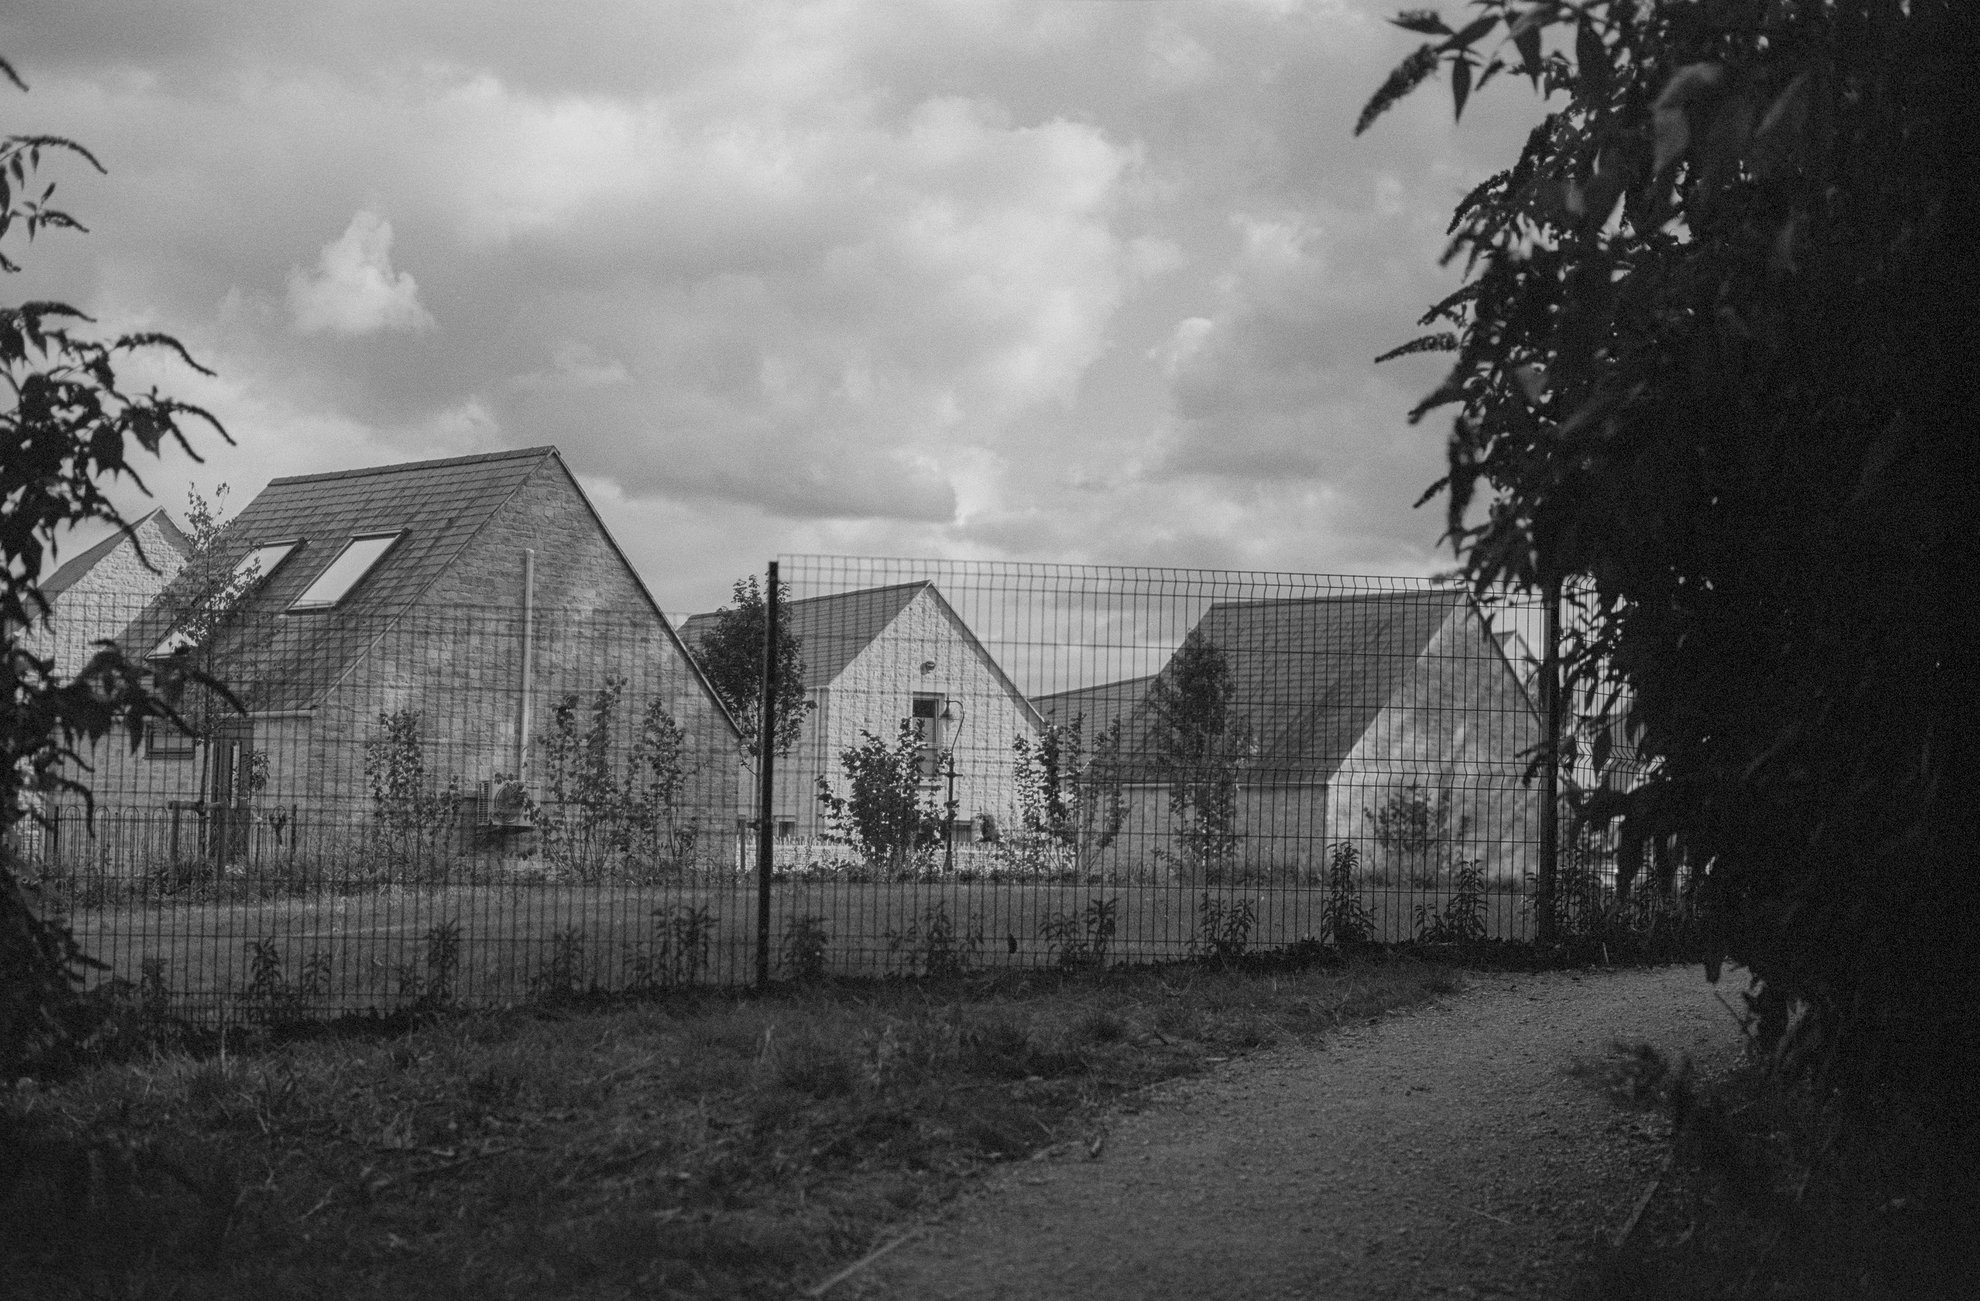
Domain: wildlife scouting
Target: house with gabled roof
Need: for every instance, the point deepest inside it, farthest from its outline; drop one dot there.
(879, 657)
(430, 638)
(1367, 718)
(95, 594)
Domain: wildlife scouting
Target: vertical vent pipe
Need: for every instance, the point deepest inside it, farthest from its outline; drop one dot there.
(526, 685)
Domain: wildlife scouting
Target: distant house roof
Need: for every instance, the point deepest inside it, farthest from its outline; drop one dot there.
(437, 507)
(77, 566)
(1098, 706)
(1309, 675)
(832, 630)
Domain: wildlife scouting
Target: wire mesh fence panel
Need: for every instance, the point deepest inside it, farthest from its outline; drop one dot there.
(456, 805)
(998, 764)
(1024, 764)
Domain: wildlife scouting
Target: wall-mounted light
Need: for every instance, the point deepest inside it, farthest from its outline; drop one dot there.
(928, 666)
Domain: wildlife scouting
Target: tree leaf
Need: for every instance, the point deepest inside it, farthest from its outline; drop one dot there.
(1472, 31)
(1444, 341)
(1424, 21)
(1408, 75)
(1527, 42)
(1460, 87)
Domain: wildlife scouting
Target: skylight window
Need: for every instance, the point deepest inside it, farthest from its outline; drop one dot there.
(247, 574)
(357, 559)
(259, 564)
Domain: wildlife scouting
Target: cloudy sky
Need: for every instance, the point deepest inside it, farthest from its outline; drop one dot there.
(1060, 280)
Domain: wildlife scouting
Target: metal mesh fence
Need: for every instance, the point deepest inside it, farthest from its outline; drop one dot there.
(999, 764)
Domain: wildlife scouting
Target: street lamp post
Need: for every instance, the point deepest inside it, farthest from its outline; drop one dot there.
(952, 721)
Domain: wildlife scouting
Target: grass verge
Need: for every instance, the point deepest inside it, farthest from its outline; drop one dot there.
(695, 1147)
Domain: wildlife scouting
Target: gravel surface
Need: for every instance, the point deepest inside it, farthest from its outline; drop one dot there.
(1447, 1151)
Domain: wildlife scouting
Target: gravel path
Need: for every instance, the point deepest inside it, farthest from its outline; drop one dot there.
(1446, 1151)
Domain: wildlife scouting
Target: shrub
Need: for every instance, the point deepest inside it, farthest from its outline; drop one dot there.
(677, 953)
(1463, 918)
(1344, 919)
(274, 999)
(935, 946)
(890, 813)
(434, 986)
(1223, 929)
(1079, 938)
(802, 958)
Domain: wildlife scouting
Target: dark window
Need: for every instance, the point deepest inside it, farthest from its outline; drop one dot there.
(164, 741)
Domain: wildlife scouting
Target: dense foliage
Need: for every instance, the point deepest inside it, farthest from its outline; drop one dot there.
(731, 654)
(67, 430)
(1713, 361)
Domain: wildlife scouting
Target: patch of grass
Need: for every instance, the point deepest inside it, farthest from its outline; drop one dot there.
(692, 1145)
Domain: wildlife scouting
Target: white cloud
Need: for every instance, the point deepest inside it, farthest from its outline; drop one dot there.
(354, 289)
(932, 278)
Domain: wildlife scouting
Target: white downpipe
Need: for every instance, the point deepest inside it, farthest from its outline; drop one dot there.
(528, 666)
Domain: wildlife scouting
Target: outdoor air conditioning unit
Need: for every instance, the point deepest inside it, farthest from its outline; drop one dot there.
(502, 803)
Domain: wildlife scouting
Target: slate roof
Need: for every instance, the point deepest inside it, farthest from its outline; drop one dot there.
(1310, 676)
(73, 570)
(1097, 705)
(833, 629)
(440, 505)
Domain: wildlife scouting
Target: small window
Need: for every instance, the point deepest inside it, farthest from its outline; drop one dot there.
(162, 740)
(249, 572)
(262, 561)
(356, 560)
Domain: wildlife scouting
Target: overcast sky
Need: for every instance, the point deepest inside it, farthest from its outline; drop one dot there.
(1067, 280)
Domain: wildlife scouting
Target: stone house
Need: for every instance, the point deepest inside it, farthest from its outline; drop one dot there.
(96, 594)
(881, 656)
(413, 642)
(1391, 720)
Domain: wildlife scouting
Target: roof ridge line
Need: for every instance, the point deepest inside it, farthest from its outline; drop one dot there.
(399, 467)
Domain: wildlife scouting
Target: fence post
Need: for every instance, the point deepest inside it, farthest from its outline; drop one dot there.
(766, 764)
(1550, 775)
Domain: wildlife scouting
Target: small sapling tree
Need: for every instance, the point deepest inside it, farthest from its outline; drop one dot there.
(602, 810)
(1201, 747)
(411, 814)
(1069, 793)
(731, 654)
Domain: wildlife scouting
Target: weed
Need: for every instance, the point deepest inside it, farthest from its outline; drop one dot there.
(434, 987)
(154, 995)
(935, 947)
(803, 956)
(1223, 929)
(1463, 918)
(272, 998)
(563, 976)
(678, 952)
(1080, 938)
(1344, 918)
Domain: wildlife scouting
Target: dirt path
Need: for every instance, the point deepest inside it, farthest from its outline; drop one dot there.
(1445, 1152)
